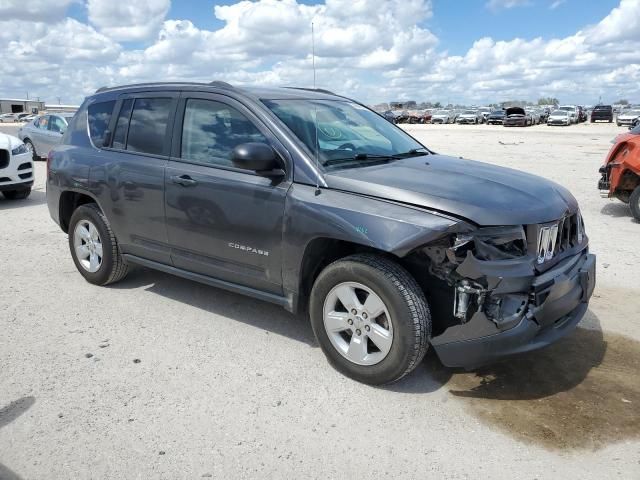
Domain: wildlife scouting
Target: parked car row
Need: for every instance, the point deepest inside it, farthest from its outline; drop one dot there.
(17, 117)
(518, 116)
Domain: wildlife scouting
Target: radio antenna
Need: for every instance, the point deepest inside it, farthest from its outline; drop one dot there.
(315, 111)
(313, 54)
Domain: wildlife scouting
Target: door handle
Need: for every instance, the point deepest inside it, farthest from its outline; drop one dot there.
(184, 180)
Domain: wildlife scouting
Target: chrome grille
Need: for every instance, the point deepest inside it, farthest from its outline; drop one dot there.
(556, 237)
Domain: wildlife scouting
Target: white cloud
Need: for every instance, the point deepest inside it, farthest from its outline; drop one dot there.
(34, 10)
(370, 50)
(556, 4)
(496, 5)
(127, 21)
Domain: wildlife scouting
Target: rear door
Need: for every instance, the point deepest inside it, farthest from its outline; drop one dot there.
(222, 221)
(130, 177)
(39, 135)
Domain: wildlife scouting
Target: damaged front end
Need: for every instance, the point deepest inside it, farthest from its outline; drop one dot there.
(508, 286)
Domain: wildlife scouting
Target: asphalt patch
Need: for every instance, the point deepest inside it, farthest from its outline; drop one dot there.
(580, 393)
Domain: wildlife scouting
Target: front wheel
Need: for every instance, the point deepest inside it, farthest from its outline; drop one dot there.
(94, 247)
(31, 148)
(634, 203)
(370, 318)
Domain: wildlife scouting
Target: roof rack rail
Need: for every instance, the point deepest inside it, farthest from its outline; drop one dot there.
(319, 90)
(152, 84)
(221, 84)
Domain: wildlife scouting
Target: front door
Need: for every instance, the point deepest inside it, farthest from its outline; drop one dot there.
(222, 221)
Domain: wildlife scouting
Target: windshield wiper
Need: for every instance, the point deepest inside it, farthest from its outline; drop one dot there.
(359, 157)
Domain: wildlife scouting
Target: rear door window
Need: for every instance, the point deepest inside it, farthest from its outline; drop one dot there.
(99, 116)
(148, 125)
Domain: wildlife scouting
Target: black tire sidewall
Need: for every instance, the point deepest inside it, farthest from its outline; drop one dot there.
(19, 194)
(634, 203)
(91, 214)
(395, 364)
(34, 155)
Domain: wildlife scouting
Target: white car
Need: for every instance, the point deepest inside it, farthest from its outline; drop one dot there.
(626, 117)
(559, 117)
(573, 112)
(16, 168)
(442, 116)
(470, 116)
(8, 117)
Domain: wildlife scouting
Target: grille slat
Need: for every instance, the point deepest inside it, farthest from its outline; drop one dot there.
(4, 158)
(555, 238)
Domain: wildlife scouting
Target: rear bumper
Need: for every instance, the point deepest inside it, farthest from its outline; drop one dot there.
(557, 302)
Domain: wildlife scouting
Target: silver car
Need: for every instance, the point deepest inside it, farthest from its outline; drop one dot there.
(44, 133)
(442, 116)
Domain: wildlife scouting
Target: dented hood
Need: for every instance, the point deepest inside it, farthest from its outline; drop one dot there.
(480, 192)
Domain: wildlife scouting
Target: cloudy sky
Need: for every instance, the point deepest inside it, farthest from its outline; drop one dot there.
(473, 51)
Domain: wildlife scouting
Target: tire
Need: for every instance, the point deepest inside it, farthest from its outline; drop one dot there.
(408, 321)
(112, 267)
(29, 144)
(17, 194)
(634, 203)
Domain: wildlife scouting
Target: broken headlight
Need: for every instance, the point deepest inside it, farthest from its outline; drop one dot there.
(491, 243)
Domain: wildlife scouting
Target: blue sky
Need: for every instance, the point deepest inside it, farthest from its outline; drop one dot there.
(465, 51)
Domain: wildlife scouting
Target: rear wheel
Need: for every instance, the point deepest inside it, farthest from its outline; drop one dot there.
(634, 203)
(94, 247)
(370, 318)
(20, 194)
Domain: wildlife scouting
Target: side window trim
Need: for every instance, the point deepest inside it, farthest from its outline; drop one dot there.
(176, 150)
(87, 117)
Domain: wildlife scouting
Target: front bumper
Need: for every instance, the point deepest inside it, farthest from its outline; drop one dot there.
(17, 173)
(553, 305)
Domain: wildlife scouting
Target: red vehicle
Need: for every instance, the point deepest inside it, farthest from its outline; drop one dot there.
(621, 171)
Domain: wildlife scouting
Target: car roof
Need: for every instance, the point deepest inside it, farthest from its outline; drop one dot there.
(255, 93)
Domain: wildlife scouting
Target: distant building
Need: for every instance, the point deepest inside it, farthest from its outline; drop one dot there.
(18, 105)
(60, 108)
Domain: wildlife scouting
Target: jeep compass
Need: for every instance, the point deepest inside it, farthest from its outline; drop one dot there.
(314, 202)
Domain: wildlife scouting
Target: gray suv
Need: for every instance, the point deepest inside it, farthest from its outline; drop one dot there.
(314, 202)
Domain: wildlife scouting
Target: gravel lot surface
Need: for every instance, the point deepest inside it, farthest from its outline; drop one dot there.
(160, 377)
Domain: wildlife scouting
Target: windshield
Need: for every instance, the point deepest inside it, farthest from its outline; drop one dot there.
(559, 113)
(568, 109)
(632, 113)
(442, 112)
(347, 134)
(469, 112)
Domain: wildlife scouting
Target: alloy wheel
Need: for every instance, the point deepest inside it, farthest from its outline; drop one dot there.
(88, 246)
(358, 323)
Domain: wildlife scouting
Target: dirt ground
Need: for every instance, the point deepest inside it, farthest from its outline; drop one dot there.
(159, 377)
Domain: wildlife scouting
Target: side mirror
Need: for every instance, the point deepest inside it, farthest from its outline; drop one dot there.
(258, 157)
